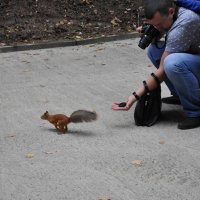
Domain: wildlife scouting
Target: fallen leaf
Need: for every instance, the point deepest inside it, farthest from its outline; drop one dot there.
(78, 37)
(104, 198)
(27, 70)
(10, 136)
(86, 1)
(115, 21)
(10, 30)
(92, 45)
(137, 163)
(133, 17)
(48, 152)
(25, 61)
(161, 142)
(99, 49)
(95, 11)
(29, 155)
(128, 28)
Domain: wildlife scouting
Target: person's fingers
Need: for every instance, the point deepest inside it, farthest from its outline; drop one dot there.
(116, 107)
(120, 104)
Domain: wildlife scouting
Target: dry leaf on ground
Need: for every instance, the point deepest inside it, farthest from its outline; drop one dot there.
(161, 142)
(100, 49)
(10, 136)
(137, 163)
(29, 155)
(115, 21)
(48, 152)
(104, 198)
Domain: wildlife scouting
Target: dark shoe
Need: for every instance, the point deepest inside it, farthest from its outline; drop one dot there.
(171, 100)
(189, 122)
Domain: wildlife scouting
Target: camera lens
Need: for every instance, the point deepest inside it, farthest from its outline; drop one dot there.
(144, 42)
(142, 45)
(150, 32)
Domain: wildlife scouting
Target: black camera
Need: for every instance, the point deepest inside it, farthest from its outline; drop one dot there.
(149, 33)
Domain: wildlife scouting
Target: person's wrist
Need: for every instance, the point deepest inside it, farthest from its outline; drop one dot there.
(136, 96)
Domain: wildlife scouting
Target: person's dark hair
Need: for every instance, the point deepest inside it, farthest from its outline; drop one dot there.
(153, 6)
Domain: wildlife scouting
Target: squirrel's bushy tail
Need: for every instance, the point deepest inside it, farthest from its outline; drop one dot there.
(83, 116)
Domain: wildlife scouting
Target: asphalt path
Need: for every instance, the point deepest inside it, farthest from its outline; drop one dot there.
(111, 158)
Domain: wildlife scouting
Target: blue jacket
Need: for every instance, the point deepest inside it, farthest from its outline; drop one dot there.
(189, 4)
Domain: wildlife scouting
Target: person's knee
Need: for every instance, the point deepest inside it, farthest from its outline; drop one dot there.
(172, 64)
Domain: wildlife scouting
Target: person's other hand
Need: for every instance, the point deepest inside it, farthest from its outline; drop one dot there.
(139, 29)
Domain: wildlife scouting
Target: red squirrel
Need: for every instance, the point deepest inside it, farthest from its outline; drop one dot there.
(60, 121)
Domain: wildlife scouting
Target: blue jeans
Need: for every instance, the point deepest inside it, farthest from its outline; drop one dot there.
(183, 76)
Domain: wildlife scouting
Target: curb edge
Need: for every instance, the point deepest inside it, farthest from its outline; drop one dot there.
(65, 43)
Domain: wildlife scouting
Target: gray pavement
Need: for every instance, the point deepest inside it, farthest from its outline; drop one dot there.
(94, 160)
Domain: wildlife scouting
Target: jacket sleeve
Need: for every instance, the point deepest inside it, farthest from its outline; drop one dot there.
(189, 4)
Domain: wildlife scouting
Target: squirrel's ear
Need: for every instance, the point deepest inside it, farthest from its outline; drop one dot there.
(47, 112)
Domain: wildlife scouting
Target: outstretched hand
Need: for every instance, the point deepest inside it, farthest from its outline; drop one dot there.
(127, 105)
(117, 106)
